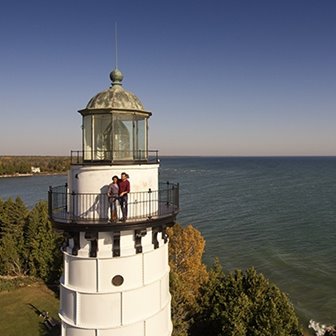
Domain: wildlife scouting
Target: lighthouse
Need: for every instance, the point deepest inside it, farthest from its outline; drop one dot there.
(116, 274)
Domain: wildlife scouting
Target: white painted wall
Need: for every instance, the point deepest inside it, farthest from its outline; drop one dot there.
(95, 180)
(140, 306)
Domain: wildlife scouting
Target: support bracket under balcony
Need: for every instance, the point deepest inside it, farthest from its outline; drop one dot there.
(155, 233)
(92, 237)
(138, 234)
(164, 234)
(116, 244)
(76, 244)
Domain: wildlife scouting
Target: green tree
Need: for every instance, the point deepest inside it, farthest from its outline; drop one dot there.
(243, 303)
(187, 274)
(12, 248)
(43, 245)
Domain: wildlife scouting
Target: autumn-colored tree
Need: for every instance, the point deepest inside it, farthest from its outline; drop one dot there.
(187, 273)
(243, 303)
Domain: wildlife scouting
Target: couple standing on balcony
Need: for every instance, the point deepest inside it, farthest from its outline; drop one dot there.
(118, 192)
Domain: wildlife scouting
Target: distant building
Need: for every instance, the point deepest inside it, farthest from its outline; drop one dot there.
(35, 170)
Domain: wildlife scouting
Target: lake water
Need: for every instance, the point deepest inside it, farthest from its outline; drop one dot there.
(276, 214)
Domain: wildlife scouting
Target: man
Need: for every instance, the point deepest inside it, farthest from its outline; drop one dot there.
(124, 189)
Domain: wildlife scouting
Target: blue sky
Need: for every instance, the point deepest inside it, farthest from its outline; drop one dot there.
(221, 77)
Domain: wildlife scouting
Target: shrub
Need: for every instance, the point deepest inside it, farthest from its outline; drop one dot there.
(243, 303)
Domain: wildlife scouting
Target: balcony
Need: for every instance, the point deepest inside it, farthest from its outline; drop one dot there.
(71, 211)
(114, 157)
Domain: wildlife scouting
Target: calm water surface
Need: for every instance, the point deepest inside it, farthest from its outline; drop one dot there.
(276, 214)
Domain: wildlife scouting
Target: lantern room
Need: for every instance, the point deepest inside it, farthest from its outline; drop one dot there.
(115, 126)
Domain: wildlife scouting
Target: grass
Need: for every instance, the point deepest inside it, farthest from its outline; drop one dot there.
(20, 309)
(21, 302)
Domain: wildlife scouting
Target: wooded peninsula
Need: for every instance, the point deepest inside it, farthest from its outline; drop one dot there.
(24, 165)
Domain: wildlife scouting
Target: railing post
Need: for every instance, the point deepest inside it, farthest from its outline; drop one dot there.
(150, 202)
(72, 215)
(66, 198)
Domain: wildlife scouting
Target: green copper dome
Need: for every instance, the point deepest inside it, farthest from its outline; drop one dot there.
(116, 97)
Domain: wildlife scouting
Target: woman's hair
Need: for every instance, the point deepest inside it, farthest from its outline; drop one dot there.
(115, 176)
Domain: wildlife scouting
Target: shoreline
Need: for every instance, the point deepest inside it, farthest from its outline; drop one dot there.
(31, 175)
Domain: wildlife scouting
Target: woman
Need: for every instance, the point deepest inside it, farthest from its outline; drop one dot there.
(113, 196)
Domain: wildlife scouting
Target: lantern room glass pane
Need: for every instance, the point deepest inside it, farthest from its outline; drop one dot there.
(140, 138)
(123, 136)
(102, 136)
(87, 138)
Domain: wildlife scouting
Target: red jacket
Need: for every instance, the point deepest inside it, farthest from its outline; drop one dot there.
(124, 186)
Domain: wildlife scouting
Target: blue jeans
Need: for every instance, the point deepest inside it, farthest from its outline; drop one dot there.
(124, 205)
(113, 206)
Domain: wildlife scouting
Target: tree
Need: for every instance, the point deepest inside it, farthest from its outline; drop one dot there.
(12, 248)
(28, 243)
(43, 245)
(243, 303)
(187, 274)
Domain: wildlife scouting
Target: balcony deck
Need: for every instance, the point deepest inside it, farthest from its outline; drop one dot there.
(90, 212)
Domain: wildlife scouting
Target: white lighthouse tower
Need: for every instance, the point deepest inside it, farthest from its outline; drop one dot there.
(116, 273)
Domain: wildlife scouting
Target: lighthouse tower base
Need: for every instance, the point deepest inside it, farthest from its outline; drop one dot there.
(116, 296)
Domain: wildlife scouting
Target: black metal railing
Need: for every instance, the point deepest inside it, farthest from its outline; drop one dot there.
(65, 206)
(108, 156)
